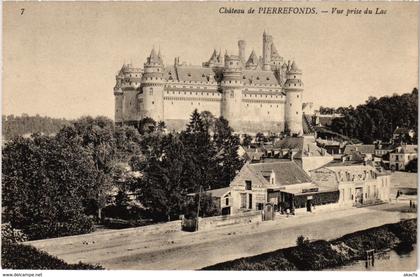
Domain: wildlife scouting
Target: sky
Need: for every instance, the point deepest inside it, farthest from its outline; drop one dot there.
(60, 58)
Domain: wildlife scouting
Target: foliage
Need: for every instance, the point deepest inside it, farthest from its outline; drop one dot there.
(313, 256)
(21, 125)
(227, 159)
(317, 255)
(45, 184)
(378, 118)
(96, 136)
(162, 189)
(19, 256)
(260, 138)
(411, 166)
(174, 165)
(247, 140)
(8, 234)
(207, 206)
(199, 155)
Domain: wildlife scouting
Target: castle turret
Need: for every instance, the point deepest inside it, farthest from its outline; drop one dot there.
(232, 89)
(241, 47)
(151, 100)
(294, 88)
(119, 99)
(267, 42)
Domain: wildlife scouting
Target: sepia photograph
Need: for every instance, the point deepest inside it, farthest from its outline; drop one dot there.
(209, 136)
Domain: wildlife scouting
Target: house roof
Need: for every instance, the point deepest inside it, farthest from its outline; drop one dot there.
(407, 149)
(218, 192)
(401, 130)
(305, 146)
(286, 172)
(362, 148)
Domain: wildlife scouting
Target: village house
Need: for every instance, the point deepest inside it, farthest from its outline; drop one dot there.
(358, 183)
(222, 198)
(283, 185)
(368, 150)
(403, 134)
(401, 156)
(304, 151)
(383, 149)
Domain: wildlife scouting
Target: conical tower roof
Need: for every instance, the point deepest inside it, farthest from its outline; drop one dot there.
(253, 59)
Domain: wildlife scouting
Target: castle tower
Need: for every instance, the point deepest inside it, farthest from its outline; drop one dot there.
(119, 99)
(267, 42)
(241, 46)
(232, 90)
(152, 88)
(294, 89)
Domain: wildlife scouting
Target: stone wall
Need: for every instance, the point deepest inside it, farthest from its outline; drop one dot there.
(208, 223)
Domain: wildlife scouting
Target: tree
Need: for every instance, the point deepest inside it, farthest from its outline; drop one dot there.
(208, 120)
(378, 118)
(96, 136)
(260, 138)
(207, 206)
(247, 140)
(162, 190)
(411, 166)
(227, 144)
(45, 182)
(200, 153)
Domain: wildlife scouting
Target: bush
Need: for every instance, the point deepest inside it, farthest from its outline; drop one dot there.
(379, 238)
(313, 255)
(8, 234)
(19, 256)
(82, 225)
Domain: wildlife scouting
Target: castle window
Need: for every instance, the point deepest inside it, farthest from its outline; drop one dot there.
(277, 106)
(297, 96)
(297, 112)
(203, 76)
(231, 63)
(294, 76)
(258, 78)
(268, 79)
(153, 102)
(244, 77)
(191, 103)
(189, 74)
(290, 104)
(268, 112)
(247, 105)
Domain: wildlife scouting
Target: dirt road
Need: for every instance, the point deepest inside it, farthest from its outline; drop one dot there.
(167, 248)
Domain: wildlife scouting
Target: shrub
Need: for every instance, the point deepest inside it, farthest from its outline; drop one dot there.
(313, 255)
(19, 256)
(8, 234)
(47, 229)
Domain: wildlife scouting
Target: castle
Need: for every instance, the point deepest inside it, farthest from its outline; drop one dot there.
(258, 94)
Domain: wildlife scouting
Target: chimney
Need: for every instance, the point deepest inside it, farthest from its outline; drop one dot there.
(241, 46)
